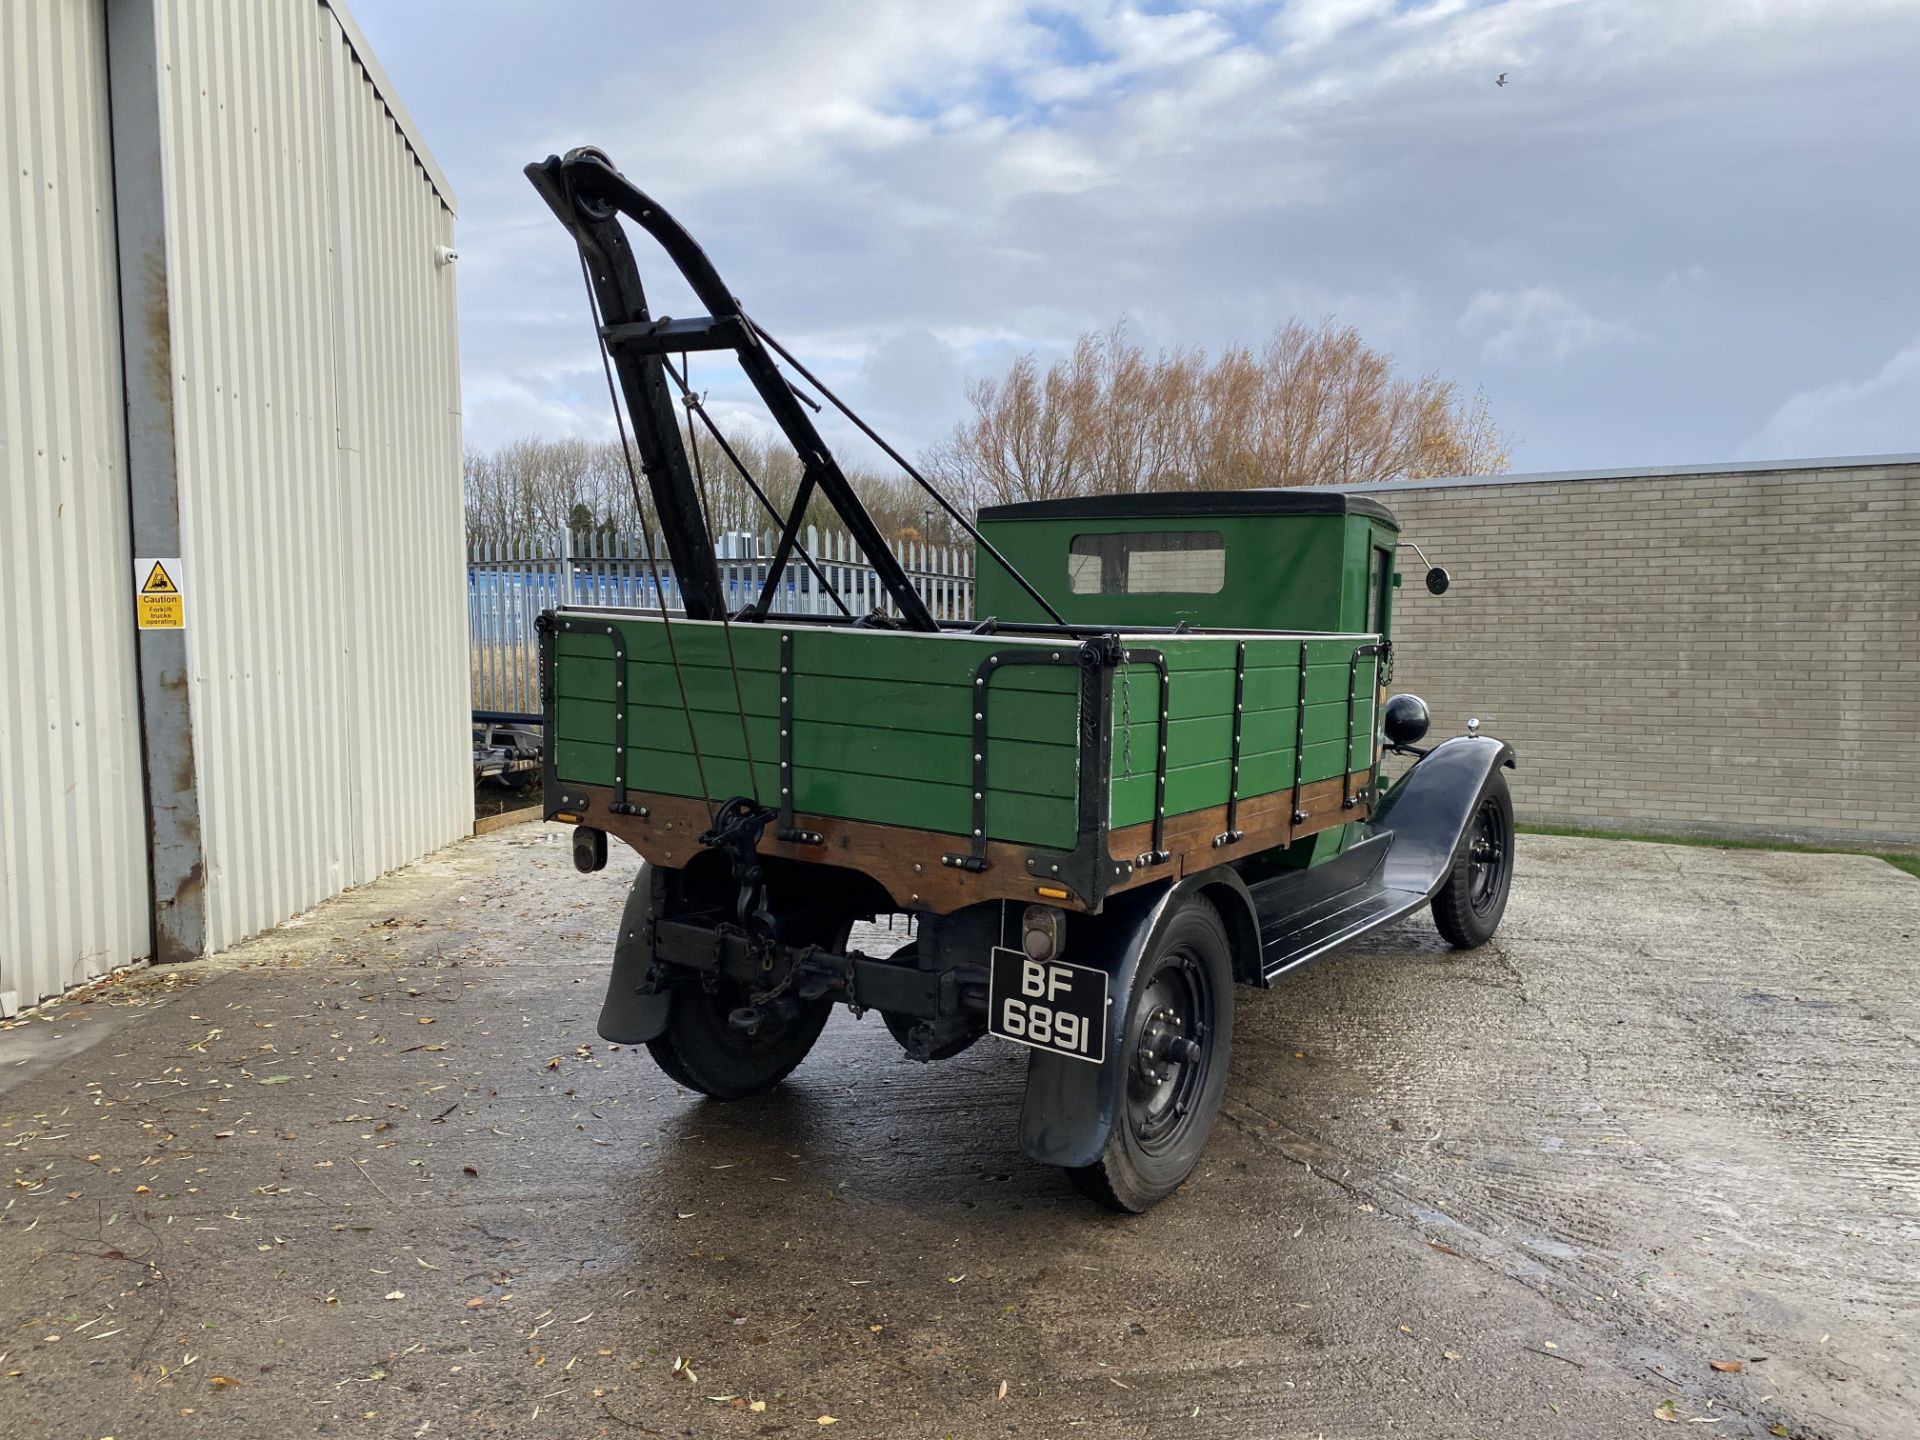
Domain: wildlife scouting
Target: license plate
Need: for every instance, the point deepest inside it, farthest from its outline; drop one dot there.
(1058, 1008)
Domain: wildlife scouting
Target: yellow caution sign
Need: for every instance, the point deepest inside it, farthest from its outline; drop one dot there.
(159, 600)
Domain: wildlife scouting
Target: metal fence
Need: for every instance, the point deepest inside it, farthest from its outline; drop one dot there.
(508, 585)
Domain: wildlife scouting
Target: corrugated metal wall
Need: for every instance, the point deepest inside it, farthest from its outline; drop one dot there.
(318, 439)
(73, 870)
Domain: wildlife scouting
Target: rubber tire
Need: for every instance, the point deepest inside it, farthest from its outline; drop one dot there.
(1125, 1177)
(701, 1051)
(1459, 923)
(901, 1026)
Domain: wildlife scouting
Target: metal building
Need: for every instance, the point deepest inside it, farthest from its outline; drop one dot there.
(227, 345)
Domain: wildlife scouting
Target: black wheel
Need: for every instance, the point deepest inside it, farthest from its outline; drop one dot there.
(1468, 907)
(1178, 1032)
(901, 1026)
(703, 1051)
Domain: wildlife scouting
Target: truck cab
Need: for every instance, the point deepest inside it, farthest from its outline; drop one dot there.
(1296, 559)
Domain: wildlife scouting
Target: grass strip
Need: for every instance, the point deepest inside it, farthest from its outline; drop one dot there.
(1907, 861)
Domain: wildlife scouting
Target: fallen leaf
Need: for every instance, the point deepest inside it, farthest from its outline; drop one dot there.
(1728, 1367)
(826, 1420)
(424, 1020)
(1001, 1393)
(757, 1406)
(1444, 1250)
(222, 1382)
(1121, 1383)
(223, 1134)
(469, 1170)
(1664, 1411)
(554, 1063)
(1779, 1430)
(396, 1295)
(276, 1079)
(1449, 1354)
(476, 1302)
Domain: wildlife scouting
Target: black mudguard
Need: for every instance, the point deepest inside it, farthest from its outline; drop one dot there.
(1428, 810)
(633, 1014)
(1071, 1105)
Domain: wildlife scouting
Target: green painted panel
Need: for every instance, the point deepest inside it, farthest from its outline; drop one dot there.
(883, 722)
(1013, 815)
(1204, 786)
(855, 749)
(888, 655)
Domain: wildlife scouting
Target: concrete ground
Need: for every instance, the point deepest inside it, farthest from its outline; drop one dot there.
(1651, 1157)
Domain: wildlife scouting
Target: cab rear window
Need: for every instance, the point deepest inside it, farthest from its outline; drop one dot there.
(1147, 562)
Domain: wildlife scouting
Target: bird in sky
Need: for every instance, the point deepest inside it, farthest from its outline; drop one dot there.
(1502, 80)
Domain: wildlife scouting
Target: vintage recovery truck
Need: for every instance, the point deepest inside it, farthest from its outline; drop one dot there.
(1150, 770)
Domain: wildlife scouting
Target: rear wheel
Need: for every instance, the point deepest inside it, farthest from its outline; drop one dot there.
(704, 1051)
(1174, 1047)
(1468, 907)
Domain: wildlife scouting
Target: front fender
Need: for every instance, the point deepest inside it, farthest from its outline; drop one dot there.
(1071, 1105)
(632, 1014)
(1429, 808)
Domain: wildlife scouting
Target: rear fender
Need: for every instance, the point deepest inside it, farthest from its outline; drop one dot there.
(1429, 808)
(633, 1012)
(1071, 1105)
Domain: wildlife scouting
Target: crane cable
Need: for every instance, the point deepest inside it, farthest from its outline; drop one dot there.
(726, 624)
(698, 407)
(646, 545)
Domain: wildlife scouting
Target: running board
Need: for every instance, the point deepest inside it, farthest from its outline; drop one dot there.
(1306, 913)
(1348, 916)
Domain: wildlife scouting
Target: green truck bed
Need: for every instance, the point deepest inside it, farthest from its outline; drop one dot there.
(879, 727)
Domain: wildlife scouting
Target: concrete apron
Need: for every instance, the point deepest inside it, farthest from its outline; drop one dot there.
(374, 1174)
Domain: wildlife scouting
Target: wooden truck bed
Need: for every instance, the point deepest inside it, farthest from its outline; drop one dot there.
(950, 767)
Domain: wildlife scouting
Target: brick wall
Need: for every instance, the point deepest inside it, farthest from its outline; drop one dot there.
(1723, 651)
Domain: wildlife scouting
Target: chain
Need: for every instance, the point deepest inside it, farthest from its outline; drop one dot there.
(1126, 717)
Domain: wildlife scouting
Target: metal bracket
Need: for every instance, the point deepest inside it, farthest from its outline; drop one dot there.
(1233, 833)
(787, 829)
(1300, 739)
(1349, 797)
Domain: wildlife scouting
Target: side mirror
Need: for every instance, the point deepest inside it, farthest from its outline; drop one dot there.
(1438, 580)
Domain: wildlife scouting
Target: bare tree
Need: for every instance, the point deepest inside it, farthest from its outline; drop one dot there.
(527, 490)
(1312, 406)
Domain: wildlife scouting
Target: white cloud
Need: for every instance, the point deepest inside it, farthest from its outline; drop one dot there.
(1538, 323)
(863, 170)
(1314, 22)
(1876, 416)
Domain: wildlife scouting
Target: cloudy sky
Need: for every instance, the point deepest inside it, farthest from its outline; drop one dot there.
(1686, 231)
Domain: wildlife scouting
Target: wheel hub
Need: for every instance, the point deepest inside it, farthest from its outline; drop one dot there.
(1169, 1056)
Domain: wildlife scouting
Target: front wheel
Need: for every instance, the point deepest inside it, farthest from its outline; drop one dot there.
(1468, 907)
(1174, 1047)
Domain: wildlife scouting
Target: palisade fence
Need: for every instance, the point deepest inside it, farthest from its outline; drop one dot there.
(509, 584)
